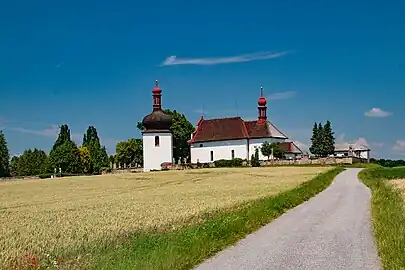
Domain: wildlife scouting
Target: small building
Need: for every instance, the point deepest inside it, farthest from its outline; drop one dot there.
(157, 137)
(352, 150)
(232, 137)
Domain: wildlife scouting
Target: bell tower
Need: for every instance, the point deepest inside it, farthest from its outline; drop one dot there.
(262, 108)
(157, 137)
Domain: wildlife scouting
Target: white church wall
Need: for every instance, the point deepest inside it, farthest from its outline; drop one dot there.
(201, 151)
(154, 156)
(257, 143)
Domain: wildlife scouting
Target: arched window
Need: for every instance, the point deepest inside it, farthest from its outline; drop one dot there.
(156, 141)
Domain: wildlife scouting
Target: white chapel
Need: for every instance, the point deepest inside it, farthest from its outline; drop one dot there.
(157, 137)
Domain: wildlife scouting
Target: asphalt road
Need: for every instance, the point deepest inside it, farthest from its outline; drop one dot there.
(330, 231)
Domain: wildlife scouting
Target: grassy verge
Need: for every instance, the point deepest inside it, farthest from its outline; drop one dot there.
(388, 213)
(187, 247)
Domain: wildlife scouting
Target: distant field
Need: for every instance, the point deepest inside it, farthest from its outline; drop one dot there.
(55, 216)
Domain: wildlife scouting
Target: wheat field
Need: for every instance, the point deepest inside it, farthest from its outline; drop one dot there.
(399, 184)
(55, 216)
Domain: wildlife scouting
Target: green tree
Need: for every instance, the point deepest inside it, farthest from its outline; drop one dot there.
(278, 152)
(4, 156)
(31, 162)
(111, 160)
(254, 160)
(64, 153)
(328, 139)
(85, 159)
(266, 150)
(314, 148)
(14, 166)
(181, 130)
(129, 152)
(63, 137)
(98, 153)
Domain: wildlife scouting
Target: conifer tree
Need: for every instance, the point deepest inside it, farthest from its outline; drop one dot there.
(329, 140)
(4, 156)
(314, 148)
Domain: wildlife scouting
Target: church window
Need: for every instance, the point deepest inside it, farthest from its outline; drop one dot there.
(212, 155)
(201, 145)
(156, 141)
(233, 154)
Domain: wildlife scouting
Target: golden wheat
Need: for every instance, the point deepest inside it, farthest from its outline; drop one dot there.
(399, 184)
(58, 215)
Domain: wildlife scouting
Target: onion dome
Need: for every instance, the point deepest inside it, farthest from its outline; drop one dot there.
(262, 100)
(157, 120)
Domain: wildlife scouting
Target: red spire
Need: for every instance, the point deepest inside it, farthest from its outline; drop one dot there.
(157, 97)
(262, 108)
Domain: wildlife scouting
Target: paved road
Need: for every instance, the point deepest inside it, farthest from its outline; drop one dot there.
(330, 231)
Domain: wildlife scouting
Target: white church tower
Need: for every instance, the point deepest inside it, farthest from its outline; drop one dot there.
(157, 137)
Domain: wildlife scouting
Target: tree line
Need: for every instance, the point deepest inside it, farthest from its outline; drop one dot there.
(90, 157)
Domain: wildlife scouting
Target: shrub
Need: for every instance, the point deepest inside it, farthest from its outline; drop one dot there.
(254, 160)
(236, 162)
(45, 175)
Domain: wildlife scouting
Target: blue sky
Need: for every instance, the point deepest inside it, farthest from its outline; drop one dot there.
(95, 62)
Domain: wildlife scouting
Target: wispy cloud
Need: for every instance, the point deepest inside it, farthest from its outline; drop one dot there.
(201, 111)
(58, 65)
(281, 95)
(399, 145)
(174, 60)
(51, 131)
(377, 112)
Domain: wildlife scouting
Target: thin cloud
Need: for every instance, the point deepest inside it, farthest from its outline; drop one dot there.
(48, 132)
(282, 95)
(399, 145)
(58, 65)
(174, 60)
(377, 112)
(341, 138)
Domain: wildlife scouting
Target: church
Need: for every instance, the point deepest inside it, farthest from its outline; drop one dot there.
(227, 138)
(213, 139)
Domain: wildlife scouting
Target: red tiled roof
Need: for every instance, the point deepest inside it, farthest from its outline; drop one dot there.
(256, 130)
(233, 128)
(220, 129)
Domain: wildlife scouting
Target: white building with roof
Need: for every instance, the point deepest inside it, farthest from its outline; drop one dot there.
(232, 137)
(352, 150)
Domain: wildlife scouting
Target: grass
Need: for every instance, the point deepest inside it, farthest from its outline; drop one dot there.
(78, 217)
(388, 211)
(189, 246)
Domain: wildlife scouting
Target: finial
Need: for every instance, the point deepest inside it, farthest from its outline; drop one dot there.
(261, 90)
(157, 83)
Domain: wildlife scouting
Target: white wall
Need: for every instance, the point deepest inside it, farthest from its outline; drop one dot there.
(154, 156)
(221, 150)
(253, 143)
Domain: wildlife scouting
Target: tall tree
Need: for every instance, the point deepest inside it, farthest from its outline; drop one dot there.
(181, 130)
(85, 159)
(314, 148)
(64, 153)
(4, 156)
(64, 136)
(31, 162)
(329, 140)
(98, 154)
(266, 149)
(321, 140)
(129, 152)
